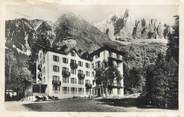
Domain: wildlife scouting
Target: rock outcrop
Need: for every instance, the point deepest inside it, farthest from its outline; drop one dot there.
(125, 27)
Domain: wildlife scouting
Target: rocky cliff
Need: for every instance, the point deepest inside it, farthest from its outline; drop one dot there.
(125, 27)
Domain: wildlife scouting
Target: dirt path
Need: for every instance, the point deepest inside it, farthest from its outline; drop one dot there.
(15, 106)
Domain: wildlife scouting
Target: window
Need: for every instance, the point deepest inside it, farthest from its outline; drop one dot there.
(98, 64)
(40, 55)
(65, 90)
(73, 80)
(43, 69)
(65, 80)
(87, 81)
(73, 53)
(93, 66)
(93, 82)
(80, 63)
(55, 58)
(81, 81)
(56, 78)
(97, 56)
(93, 74)
(118, 91)
(65, 69)
(55, 87)
(44, 59)
(87, 65)
(65, 60)
(73, 61)
(80, 90)
(73, 71)
(44, 79)
(80, 71)
(73, 90)
(118, 56)
(87, 73)
(55, 68)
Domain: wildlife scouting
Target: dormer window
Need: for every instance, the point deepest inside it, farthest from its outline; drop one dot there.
(97, 56)
(73, 53)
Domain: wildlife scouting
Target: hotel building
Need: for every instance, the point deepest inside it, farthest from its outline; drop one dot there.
(71, 74)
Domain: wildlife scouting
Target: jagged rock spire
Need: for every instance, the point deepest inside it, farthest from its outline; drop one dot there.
(126, 14)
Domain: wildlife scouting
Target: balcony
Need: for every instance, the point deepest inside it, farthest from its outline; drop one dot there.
(115, 85)
(40, 67)
(88, 86)
(65, 73)
(73, 65)
(40, 76)
(81, 75)
(115, 57)
(56, 82)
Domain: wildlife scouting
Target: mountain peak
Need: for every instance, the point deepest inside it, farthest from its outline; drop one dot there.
(72, 26)
(125, 27)
(69, 16)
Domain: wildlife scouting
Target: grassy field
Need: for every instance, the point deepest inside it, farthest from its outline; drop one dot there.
(91, 105)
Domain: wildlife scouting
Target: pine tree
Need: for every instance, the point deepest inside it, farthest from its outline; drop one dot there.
(173, 44)
(173, 61)
(162, 78)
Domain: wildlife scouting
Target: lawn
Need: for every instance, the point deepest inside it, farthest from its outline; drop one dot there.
(90, 105)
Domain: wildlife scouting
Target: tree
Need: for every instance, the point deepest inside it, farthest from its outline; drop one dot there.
(173, 61)
(162, 78)
(157, 83)
(173, 83)
(10, 61)
(16, 74)
(106, 75)
(134, 79)
(98, 79)
(173, 44)
(162, 83)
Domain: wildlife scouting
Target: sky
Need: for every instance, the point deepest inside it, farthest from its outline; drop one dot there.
(91, 13)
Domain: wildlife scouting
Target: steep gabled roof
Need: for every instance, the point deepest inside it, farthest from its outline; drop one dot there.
(84, 56)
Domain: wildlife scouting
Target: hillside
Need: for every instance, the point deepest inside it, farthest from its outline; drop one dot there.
(74, 32)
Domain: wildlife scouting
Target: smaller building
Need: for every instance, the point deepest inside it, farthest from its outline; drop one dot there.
(107, 54)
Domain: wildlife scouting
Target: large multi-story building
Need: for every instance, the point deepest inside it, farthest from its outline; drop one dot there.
(71, 74)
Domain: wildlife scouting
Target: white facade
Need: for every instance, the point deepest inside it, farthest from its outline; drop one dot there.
(52, 64)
